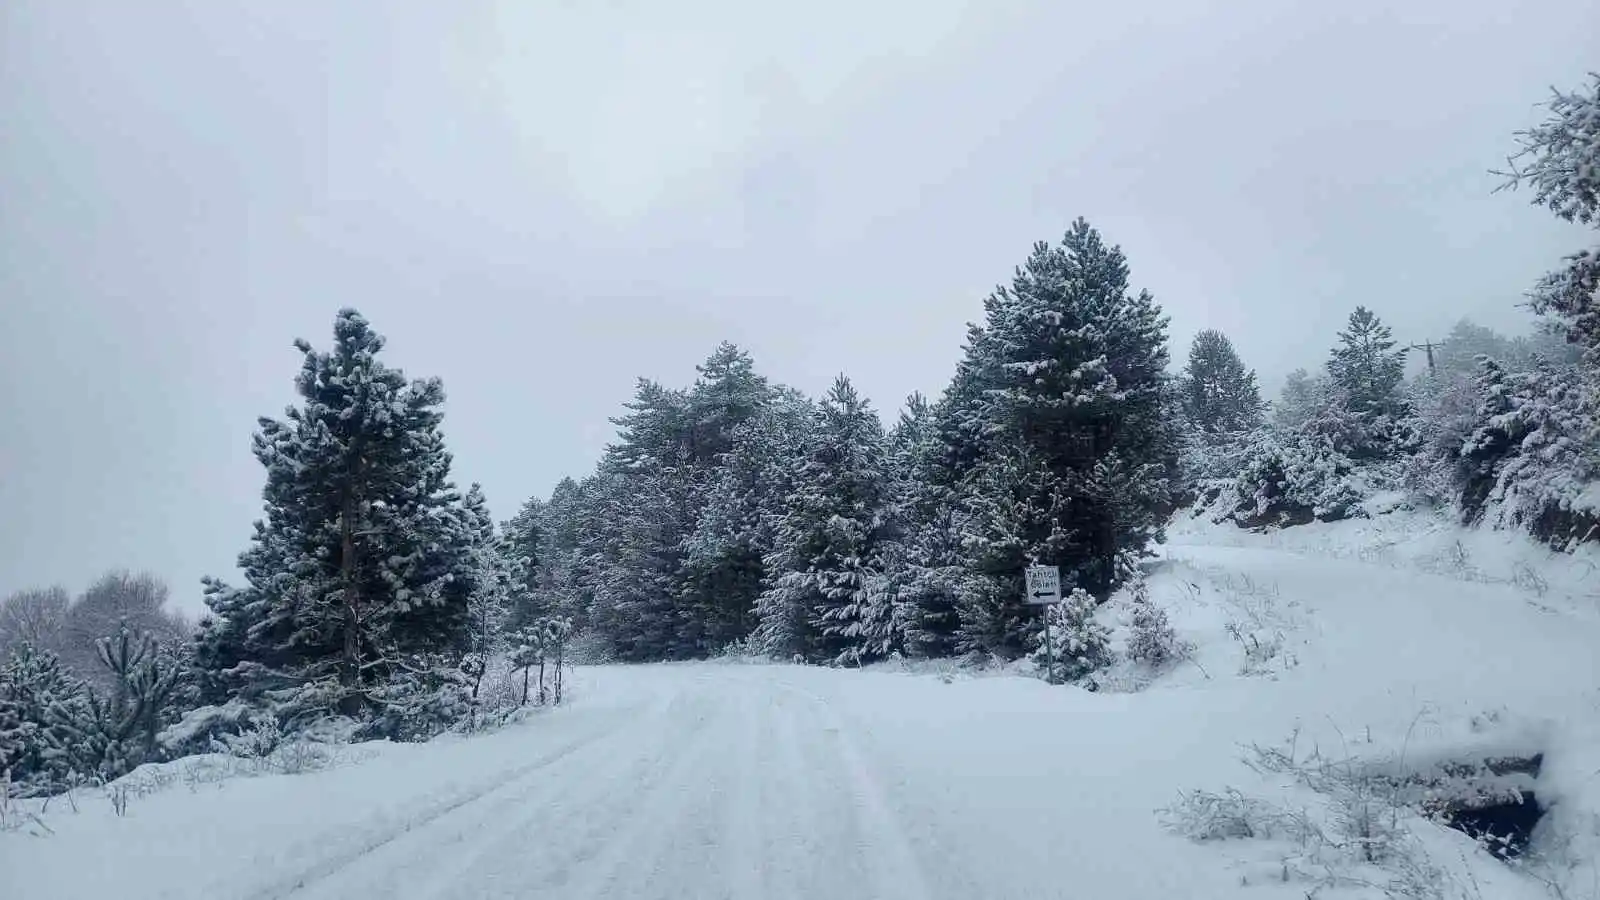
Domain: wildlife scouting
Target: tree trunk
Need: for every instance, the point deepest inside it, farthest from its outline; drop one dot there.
(350, 674)
(560, 656)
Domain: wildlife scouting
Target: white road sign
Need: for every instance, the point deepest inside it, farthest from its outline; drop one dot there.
(1044, 584)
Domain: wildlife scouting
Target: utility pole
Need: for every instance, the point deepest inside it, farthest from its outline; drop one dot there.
(1428, 346)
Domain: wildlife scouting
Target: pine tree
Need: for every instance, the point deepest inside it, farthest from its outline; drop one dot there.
(1072, 366)
(1366, 368)
(1560, 160)
(489, 577)
(822, 598)
(1303, 398)
(1153, 641)
(1081, 644)
(724, 568)
(641, 510)
(118, 729)
(42, 712)
(355, 566)
(728, 394)
(1219, 395)
(522, 547)
(1528, 456)
(1491, 440)
(1018, 512)
(924, 572)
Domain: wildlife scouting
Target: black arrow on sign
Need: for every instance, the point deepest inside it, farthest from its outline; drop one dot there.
(1044, 593)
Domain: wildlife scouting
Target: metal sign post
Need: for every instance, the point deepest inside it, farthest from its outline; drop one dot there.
(1044, 589)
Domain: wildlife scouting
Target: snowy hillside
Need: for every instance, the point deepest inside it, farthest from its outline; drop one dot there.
(1373, 673)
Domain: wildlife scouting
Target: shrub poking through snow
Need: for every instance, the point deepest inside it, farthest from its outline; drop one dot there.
(1082, 645)
(1153, 642)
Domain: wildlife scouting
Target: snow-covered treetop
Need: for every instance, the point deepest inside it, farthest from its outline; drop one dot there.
(1560, 157)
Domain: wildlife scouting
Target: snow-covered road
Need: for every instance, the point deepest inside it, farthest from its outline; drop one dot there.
(724, 780)
(721, 782)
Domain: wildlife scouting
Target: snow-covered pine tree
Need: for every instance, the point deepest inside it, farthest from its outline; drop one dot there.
(1366, 366)
(1073, 368)
(1219, 395)
(1303, 398)
(1559, 159)
(1018, 515)
(1082, 645)
(119, 727)
(1477, 458)
(562, 557)
(1528, 458)
(924, 566)
(355, 563)
(1221, 406)
(489, 575)
(724, 568)
(522, 546)
(1153, 640)
(1366, 371)
(728, 394)
(822, 599)
(719, 588)
(641, 509)
(42, 712)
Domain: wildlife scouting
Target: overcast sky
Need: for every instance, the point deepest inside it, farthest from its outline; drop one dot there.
(539, 201)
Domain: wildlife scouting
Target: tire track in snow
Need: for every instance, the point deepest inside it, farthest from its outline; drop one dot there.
(888, 857)
(528, 843)
(414, 821)
(628, 848)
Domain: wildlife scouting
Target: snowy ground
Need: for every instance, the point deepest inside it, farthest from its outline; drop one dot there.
(755, 781)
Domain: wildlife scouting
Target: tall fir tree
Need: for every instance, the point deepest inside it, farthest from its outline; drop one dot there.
(643, 510)
(925, 565)
(523, 549)
(725, 567)
(1219, 395)
(1068, 372)
(728, 394)
(489, 572)
(822, 599)
(356, 563)
(1366, 368)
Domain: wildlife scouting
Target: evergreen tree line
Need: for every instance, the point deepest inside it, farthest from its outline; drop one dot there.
(737, 513)
(741, 515)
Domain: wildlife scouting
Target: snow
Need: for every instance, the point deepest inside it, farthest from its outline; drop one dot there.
(716, 780)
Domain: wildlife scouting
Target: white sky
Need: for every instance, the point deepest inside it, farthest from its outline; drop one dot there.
(540, 201)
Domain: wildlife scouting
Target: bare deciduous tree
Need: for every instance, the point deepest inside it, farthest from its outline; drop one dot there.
(117, 599)
(34, 616)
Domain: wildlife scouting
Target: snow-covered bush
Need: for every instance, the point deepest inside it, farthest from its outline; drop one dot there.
(1231, 815)
(425, 697)
(1530, 460)
(42, 712)
(1082, 645)
(1153, 641)
(1294, 479)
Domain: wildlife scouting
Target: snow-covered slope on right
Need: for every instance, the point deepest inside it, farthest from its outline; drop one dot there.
(1386, 678)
